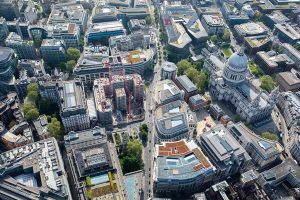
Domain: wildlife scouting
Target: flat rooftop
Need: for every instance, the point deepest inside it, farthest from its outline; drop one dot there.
(5, 53)
(288, 30)
(289, 77)
(252, 28)
(181, 160)
(106, 26)
(186, 83)
(213, 20)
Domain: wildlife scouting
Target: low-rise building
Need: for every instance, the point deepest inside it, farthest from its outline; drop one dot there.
(249, 29)
(295, 147)
(88, 156)
(288, 81)
(165, 92)
(257, 43)
(263, 152)
(41, 127)
(185, 84)
(104, 14)
(197, 102)
(287, 33)
(53, 51)
(288, 171)
(10, 109)
(289, 105)
(34, 171)
(73, 107)
(276, 17)
(68, 32)
(215, 111)
(19, 135)
(24, 48)
(168, 71)
(49, 90)
(233, 15)
(172, 121)
(213, 24)
(180, 168)
(104, 30)
(291, 52)
(226, 154)
(272, 63)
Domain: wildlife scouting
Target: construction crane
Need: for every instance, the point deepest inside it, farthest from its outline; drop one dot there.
(109, 77)
(103, 99)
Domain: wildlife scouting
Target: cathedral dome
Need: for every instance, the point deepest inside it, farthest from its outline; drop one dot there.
(236, 68)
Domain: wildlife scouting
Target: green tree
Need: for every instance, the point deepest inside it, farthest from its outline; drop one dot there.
(55, 128)
(191, 73)
(183, 65)
(143, 135)
(270, 136)
(258, 17)
(73, 54)
(81, 41)
(45, 104)
(32, 114)
(88, 181)
(130, 164)
(267, 83)
(213, 38)
(199, 65)
(144, 127)
(32, 87)
(237, 118)
(149, 19)
(90, 194)
(62, 66)
(202, 80)
(134, 148)
(32, 96)
(255, 70)
(26, 107)
(226, 36)
(37, 40)
(70, 65)
(11, 124)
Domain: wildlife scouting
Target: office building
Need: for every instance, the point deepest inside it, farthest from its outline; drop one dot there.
(287, 33)
(73, 108)
(140, 4)
(10, 9)
(252, 105)
(104, 14)
(99, 31)
(289, 105)
(49, 90)
(287, 171)
(295, 147)
(126, 14)
(130, 42)
(53, 51)
(263, 152)
(272, 63)
(233, 15)
(68, 32)
(34, 171)
(34, 68)
(221, 191)
(119, 3)
(24, 48)
(291, 52)
(9, 109)
(276, 17)
(41, 127)
(197, 102)
(168, 70)
(3, 29)
(184, 83)
(288, 81)
(180, 168)
(69, 13)
(18, 135)
(165, 92)
(172, 121)
(89, 156)
(213, 23)
(226, 154)
(257, 43)
(249, 29)
(180, 35)
(8, 63)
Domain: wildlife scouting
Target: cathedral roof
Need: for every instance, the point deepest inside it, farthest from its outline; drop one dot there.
(238, 61)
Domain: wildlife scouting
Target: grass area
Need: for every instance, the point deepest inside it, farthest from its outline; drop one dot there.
(255, 70)
(227, 52)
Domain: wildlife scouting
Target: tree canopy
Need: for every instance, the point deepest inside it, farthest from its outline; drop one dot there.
(267, 83)
(73, 54)
(32, 114)
(32, 87)
(131, 157)
(226, 36)
(70, 65)
(213, 38)
(55, 128)
(149, 19)
(270, 136)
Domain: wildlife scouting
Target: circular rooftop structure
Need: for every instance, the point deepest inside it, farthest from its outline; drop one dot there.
(8, 63)
(169, 66)
(236, 68)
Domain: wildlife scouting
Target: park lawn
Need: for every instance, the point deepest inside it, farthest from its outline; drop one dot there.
(227, 52)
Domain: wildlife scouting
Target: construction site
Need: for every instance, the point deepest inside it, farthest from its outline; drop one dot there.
(119, 99)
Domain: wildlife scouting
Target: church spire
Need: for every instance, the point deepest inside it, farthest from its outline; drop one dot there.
(273, 95)
(255, 102)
